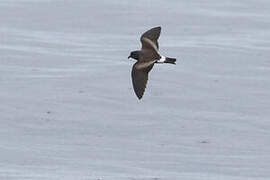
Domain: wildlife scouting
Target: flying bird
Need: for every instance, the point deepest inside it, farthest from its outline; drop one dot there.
(146, 58)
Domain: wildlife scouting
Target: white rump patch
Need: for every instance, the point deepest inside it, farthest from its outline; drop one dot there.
(162, 59)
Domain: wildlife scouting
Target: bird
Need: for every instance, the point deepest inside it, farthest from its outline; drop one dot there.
(146, 58)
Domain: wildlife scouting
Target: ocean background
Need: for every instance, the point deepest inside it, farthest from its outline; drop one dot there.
(68, 110)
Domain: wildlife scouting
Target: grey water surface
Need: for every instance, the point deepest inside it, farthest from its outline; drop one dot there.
(68, 110)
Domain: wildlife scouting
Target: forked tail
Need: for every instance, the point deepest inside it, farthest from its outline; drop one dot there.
(170, 60)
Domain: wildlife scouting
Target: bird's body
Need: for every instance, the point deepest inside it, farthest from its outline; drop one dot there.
(146, 58)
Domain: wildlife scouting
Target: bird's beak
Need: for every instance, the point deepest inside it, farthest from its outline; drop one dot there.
(129, 57)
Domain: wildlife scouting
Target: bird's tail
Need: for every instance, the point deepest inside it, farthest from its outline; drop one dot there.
(170, 60)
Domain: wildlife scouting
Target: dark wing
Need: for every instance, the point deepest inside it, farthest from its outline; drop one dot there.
(148, 44)
(139, 76)
(153, 35)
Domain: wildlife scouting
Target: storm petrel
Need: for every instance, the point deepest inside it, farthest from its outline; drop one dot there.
(146, 58)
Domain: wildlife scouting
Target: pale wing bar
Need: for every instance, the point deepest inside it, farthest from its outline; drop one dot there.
(139, 76)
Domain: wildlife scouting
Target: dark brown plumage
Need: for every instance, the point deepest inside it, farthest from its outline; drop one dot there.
(146, 58)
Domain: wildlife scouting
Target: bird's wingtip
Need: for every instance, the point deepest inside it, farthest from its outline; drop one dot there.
(139, 96)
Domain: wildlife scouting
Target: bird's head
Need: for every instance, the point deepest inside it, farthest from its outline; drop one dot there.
(134, 55)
